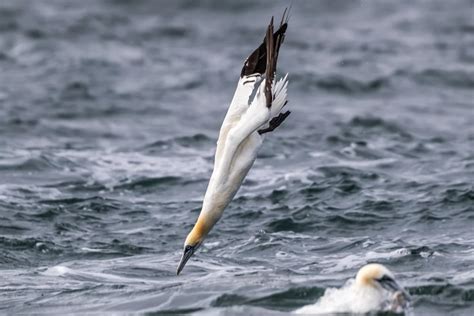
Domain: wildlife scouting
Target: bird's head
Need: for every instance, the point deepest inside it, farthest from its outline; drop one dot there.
(377, 276)
(193, 242)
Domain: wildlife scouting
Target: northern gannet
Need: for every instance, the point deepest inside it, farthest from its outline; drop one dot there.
(254, 110)
(374, 289)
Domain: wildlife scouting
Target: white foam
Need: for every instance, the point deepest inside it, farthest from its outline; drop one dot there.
(111, 168)
(57, 271)
(352, 261)
(92, 250)
(350, 299)
(87, 273)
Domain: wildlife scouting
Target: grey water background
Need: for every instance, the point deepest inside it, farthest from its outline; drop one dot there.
(109, 114)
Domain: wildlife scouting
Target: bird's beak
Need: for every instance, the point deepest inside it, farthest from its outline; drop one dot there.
(188, 252)
(391, 285)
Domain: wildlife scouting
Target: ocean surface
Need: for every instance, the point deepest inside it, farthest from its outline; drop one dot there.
(109, 115)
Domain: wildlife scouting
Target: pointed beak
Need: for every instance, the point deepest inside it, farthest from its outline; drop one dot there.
(188, 252)
(391, 285)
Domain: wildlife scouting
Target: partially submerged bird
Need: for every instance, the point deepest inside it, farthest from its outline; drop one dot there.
(374, 289)
(254, 111)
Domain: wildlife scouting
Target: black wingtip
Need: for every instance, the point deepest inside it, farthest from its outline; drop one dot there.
(257, 61)
(283, 17)
(271, 64)
(286, 15)
(274, 123)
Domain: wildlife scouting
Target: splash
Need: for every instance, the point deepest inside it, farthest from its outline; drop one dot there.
(354, 299)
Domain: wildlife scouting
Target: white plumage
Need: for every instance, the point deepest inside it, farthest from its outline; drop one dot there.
(239, 139)
(254, 110)
(374, 289)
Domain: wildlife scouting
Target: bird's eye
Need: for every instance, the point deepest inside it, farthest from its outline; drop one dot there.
(188, 248)
(385, 278)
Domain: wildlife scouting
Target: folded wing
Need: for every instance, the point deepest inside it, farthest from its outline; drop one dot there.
(254, 104)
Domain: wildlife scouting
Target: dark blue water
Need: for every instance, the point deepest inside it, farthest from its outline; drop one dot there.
(109, 113)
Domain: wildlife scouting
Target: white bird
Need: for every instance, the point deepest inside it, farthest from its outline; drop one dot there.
(374, 289)
(254, 110)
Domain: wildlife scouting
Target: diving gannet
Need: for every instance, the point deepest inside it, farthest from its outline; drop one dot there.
(374, 289)
(254, 111)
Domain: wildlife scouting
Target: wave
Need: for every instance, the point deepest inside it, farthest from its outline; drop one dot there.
(444, 77)
(284, 300)
(39, 163)
(195, 141)
(25, 252)
(343, 84)
(436, 292)
(338, 83)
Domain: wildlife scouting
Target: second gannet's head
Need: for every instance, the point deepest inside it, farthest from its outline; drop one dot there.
(379, 277)
(193, 241)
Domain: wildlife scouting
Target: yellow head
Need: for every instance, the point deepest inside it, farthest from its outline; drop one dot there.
(369, 274)
(194, 240)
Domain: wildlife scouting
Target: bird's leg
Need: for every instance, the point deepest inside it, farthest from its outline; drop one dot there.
(274, 123)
